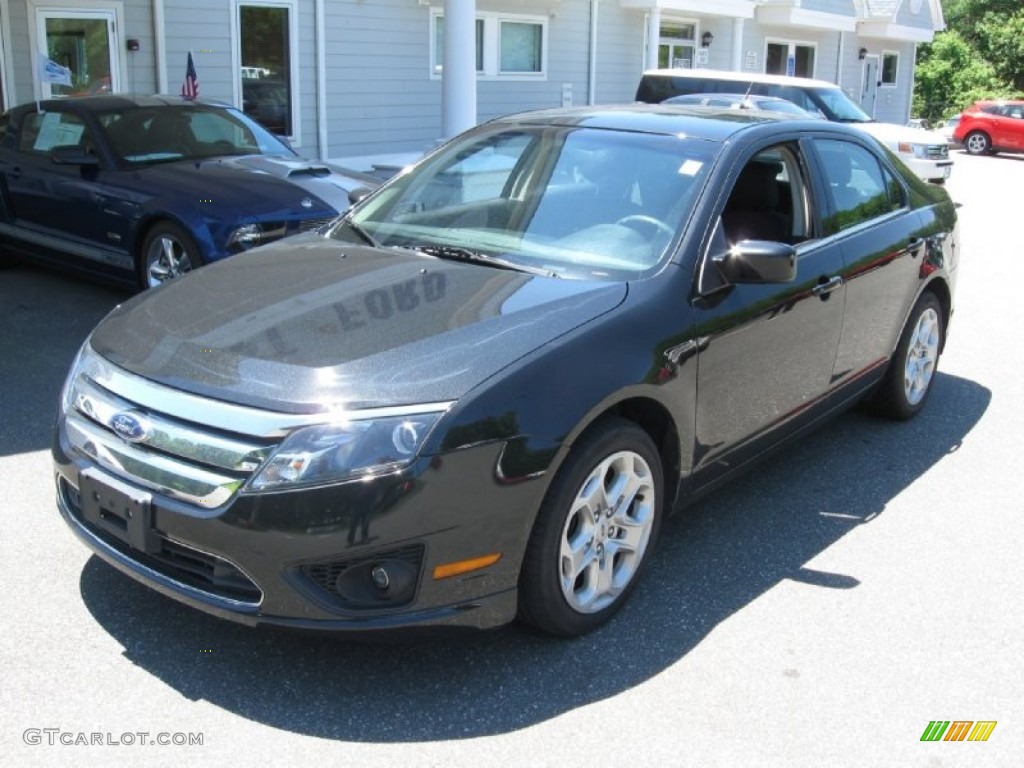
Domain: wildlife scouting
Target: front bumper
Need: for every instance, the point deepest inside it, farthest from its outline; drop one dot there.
(274, 558)
(928, 169)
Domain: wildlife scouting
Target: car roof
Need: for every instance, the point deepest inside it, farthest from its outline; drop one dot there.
(742, 77)
(108, 102)
(712, 123)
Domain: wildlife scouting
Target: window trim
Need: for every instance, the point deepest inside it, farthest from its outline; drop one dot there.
(881, 70)
(694, 42)
(295, 138)
(491, 42)
(35, 9)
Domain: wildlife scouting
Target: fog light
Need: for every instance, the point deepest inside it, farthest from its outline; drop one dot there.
(380, 578)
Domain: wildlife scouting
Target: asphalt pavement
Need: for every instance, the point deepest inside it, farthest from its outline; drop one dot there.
(821, 611)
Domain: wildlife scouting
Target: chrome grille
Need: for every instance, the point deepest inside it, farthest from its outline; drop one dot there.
(163, 451)
(938, 151)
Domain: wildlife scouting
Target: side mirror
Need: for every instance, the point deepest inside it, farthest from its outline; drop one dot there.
(359, 194)
(758, 261)
(73, 155)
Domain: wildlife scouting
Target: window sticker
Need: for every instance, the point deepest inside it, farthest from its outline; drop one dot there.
(691, 167)
(55, 133)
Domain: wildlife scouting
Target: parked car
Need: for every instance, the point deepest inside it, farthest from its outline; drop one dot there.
(742, 101)
(924, 152)
(987, 127)
(480, 391)
(948, 129)
(141, 189)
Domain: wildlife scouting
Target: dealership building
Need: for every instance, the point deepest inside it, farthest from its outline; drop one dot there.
(359, 80)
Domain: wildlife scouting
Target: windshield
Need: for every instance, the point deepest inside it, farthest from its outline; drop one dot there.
(147, 135)
(568, 201)
(839, 107)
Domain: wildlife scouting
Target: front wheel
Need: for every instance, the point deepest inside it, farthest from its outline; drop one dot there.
(167, 252)
(594, 532)
(978, 143)
(911, 373)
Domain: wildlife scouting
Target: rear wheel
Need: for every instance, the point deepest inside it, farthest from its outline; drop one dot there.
(978, 143)
(911, 373)
(167, 252)
(595, 531)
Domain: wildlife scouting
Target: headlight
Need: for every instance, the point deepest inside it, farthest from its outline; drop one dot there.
(331, 452)
(919, 151)
(250, 235)
(85, 360)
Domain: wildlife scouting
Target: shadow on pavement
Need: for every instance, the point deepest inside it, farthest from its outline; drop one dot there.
(712, 562)
(44, 318)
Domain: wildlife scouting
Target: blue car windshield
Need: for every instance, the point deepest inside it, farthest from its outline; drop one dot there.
(148, 135)
(573, 202)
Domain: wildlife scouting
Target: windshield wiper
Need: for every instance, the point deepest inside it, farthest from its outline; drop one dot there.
(365, 236)
(458, 253)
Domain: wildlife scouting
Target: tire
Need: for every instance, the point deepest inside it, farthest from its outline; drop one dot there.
(586, 552)
(978, 143)
(908, 382)
(167, 252)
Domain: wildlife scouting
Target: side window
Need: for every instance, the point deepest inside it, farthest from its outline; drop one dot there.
(42, 131)
(859, 187)
(769, 199)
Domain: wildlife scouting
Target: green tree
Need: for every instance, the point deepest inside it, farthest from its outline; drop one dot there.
(979, 56)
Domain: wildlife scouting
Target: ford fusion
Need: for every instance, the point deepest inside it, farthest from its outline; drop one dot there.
(478, 395)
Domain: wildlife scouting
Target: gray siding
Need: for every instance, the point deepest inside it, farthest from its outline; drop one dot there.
(20, 78)
(836, 7)
(140, 65)
(620, 54)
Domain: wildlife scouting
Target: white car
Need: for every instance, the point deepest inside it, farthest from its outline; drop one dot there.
(925, 152)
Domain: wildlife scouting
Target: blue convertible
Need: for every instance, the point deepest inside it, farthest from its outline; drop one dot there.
(140, 189)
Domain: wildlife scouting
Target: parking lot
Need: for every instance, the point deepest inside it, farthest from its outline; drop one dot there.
(819, 612)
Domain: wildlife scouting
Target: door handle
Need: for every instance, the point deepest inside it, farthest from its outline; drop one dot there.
(825, 287)
(914, 246)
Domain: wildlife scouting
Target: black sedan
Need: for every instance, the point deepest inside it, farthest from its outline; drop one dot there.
(141, 189)
(477, 396)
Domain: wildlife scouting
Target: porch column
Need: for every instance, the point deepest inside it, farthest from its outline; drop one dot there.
(737, 44)
(653, 36)
(458, 60)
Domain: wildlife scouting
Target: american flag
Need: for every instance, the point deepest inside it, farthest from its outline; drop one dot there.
(190, 88)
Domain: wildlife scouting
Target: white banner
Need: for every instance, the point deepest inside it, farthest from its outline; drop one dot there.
(52, 72)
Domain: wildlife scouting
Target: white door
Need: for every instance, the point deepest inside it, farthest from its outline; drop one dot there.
(84, 41)
(869, 87)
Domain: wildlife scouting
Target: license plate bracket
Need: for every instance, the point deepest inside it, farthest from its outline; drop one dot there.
(119, 510)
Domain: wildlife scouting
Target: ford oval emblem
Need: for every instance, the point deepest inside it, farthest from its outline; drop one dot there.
(307, 202)
(131, 426)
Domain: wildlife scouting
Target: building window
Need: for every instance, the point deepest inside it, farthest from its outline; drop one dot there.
(439, 44)
(507, 46)
(676, 45)
(890, 67)
(266, 66)
(84, 41)
(794, 59)
(522, 44)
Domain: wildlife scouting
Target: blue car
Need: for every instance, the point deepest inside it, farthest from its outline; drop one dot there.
(141, 189)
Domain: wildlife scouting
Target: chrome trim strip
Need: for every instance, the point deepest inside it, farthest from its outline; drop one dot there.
(159, 473)
(168, 436)
(101, 255)
(228, 416)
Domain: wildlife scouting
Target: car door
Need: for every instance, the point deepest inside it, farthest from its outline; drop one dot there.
(57, 206)
(882, 243)
(766, 350)
(1011, 127)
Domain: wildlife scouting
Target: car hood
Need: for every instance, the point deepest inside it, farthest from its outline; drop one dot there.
(257, 184)
(311, 324)
(892, 134)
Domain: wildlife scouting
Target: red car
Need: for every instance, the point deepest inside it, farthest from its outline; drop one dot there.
(987, 127)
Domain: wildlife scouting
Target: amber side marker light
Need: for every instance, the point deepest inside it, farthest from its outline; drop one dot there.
(465, 566)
